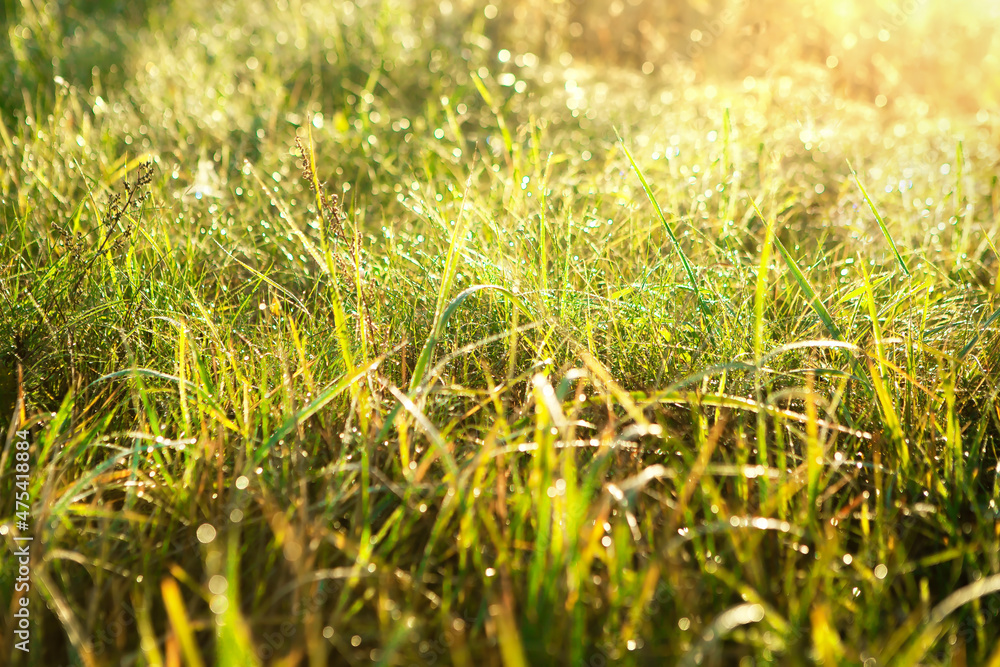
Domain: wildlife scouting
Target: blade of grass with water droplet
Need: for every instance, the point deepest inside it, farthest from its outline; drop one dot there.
(666, 225)
(308, 411)
(448, 277)
(817, 305)
(442, 322)
(975, 338)
(758, 336)
(814, 301)
(881, 222)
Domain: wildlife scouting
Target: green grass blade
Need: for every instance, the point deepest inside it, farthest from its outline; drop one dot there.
(881, 222)
(315, 406)
(975, 337)
(425, 355)
(758, 334)
(432, 433)
(666, 225)
(758, 299)
(814, 301)
(820, 309)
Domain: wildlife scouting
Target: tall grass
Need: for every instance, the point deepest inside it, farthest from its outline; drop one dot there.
(441, 370)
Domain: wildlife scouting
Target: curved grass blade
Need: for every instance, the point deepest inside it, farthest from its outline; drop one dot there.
(817, 305)
(814, 301)
(708, 372)
(666, 225)
(758, 334)
(935, 619)
(432, 433)
(425, 355)
(728, 621)
(881, 222)
(210, 403)
(305, 413)
(980, 329)
(717, 400)
(71, 493)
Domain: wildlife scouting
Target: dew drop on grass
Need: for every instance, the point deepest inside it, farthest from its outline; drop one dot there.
(219, 604)
(206, 533)
(218, 584)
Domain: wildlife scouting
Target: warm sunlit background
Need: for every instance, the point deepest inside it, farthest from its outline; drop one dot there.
(892, 54)
(443, 382)
(948, 51)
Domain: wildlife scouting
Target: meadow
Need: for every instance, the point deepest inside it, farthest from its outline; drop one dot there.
(587, 333)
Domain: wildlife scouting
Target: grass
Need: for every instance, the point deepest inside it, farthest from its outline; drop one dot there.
(414, 333)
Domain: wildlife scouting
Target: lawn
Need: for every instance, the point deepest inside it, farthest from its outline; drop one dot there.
(401, 332)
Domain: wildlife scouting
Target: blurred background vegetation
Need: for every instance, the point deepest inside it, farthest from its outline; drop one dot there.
(503, 115)
(946, 52)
